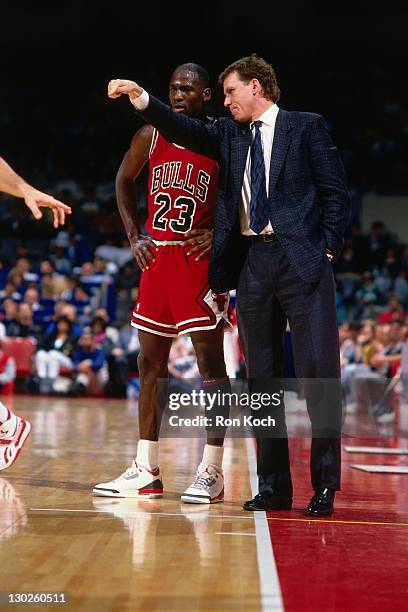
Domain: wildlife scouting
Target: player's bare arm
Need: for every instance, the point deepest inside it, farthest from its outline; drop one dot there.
(12, 183)
(132, 164)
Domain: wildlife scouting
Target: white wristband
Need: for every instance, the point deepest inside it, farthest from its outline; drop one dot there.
(142, 102)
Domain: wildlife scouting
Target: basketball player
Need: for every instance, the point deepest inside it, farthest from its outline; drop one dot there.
(14, 430)
(174, 296)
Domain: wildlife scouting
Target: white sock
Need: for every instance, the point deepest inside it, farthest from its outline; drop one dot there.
(148, 454)
(213, 455)
(10, 418)
(4, 413)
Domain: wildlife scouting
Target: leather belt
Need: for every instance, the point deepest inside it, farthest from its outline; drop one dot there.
(264, 238)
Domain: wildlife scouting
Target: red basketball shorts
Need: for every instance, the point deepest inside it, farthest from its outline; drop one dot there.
(174, 295)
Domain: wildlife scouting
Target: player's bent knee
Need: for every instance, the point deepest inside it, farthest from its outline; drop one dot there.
(151, 368)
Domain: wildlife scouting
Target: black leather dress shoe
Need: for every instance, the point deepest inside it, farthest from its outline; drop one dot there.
(321, 503)
(268, 501)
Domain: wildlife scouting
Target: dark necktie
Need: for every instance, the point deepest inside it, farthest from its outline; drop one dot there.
(259, 205)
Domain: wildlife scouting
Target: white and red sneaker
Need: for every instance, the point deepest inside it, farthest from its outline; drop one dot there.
(13, 434)
(137, 481)
(208, 487)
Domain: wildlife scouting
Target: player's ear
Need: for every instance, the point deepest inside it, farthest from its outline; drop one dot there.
(206, 94)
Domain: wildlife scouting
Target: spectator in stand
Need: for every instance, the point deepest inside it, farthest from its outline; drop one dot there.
(10, 313)
(89, 365)
(393, 312)
(128, 346)
(367, 298)
(379, 241)
(54, 353)
(23, 266)
(16, 278)
(24, 327)
(391, 264)
(382, 284)
(111, 332)
(347, 263)
(127, 279)
(78, 295)
(349, 333)
(7, 369)
(182, 363)
(69, 311)
(32, 297)
(100, 339)
(401, 289)
(52, 283)
(10, 291)
(77, 249)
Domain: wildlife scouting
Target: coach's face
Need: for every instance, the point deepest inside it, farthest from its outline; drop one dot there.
(240, 97)
(187, 93)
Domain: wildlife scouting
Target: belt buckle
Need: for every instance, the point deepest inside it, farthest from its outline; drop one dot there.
(268, 237)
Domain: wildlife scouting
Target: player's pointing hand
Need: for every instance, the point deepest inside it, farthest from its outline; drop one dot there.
(117, 87)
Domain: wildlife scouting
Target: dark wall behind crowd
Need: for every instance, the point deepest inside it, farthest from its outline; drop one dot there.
(346, 60)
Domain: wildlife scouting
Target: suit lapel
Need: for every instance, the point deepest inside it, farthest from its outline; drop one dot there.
(281, 142)
(239, 152)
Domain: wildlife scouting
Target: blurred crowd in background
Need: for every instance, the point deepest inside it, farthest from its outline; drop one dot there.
(69, 295)
(72, 291)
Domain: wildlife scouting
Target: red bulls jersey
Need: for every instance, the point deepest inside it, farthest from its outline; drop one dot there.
(182, 190)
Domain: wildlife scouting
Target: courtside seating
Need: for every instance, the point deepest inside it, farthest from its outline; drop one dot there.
(22, 349)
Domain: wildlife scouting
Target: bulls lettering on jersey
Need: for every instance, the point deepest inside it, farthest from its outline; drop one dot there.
(182, 190)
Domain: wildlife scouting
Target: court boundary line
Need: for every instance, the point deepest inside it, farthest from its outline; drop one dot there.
(271, 594)
(227, 516)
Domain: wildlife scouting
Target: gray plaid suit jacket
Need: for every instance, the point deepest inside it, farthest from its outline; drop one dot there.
(309, 201)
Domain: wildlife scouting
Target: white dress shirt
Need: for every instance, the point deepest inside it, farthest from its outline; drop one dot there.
(267, 129)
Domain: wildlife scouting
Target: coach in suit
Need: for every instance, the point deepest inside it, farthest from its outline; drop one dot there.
(282, 210)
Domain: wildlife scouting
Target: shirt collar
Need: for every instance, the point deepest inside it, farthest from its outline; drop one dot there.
(269, 116)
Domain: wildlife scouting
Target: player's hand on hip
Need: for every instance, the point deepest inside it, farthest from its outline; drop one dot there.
(36, 199)
(117, 87)
(144, 251)
(202, 239)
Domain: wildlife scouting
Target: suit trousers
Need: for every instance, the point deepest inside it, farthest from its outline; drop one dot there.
(269, 294)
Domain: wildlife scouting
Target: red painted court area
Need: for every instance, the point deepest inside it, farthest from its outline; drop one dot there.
(358, 558)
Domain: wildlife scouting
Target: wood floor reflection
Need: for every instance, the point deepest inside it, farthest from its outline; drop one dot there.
(120, 554)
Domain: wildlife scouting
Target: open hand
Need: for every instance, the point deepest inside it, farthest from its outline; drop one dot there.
(144, 251)
(36, 199)
(202, 238)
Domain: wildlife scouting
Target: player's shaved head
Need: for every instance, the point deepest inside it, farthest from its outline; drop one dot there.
(196, 69)
(189, 89)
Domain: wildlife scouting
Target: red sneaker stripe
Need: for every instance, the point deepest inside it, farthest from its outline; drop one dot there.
(21, 430)
(220, 496)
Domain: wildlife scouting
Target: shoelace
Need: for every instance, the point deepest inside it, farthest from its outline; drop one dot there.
(133, 469)
(204, 479)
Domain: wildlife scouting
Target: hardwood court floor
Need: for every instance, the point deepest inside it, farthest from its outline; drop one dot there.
(163, 555)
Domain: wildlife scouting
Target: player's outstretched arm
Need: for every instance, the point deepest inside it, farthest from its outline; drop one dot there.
(12, 183)
(187, 132)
